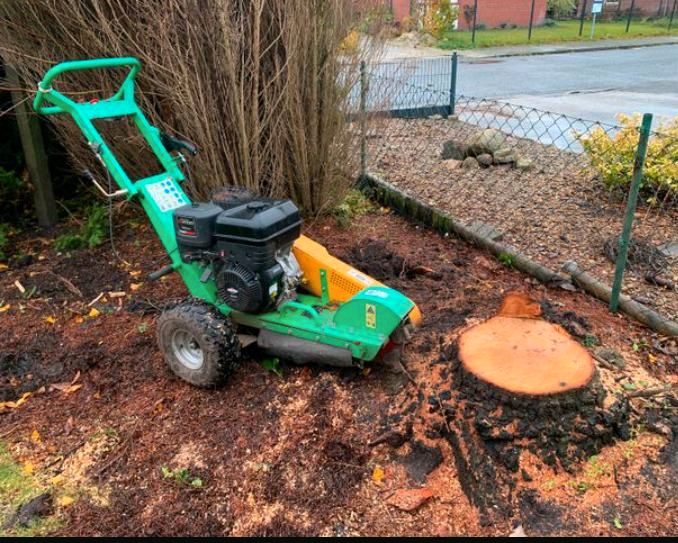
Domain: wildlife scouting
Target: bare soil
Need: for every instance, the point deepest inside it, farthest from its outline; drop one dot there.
(555, 212)
(318, 451)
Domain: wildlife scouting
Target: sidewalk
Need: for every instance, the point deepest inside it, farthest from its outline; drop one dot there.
(394, 50)
(566, 47)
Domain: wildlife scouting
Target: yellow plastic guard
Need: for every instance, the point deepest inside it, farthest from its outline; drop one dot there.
(343, 281)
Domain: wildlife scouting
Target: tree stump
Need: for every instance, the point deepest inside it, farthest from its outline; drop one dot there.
(529, 356)
(520, 382)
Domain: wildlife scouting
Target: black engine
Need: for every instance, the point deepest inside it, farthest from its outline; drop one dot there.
(247, 241)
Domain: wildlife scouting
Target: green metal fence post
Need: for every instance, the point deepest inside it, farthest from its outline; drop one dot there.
(453, 84)
(628, 19)
(641, 151)
(363, 119)
(581, 18)
(673, 13)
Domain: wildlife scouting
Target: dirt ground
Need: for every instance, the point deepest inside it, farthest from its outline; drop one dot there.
(555, 212)
(317, 451)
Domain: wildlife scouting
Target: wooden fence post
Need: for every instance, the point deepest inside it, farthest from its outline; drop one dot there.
(34, 153)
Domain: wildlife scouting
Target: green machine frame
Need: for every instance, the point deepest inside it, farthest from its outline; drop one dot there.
(309, 317)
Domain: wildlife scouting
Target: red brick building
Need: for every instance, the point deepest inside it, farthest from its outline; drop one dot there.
(646, 8)
(491, 13)
(494, 13)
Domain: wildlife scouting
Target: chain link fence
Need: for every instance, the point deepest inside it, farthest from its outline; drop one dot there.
(553, 187)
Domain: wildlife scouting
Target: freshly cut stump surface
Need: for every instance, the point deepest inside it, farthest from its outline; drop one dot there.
(525, 356)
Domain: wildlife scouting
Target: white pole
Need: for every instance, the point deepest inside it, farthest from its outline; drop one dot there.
(593, 25)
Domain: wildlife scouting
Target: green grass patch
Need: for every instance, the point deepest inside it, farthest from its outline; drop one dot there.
(17, 486)
(562, 31)
(353, 206)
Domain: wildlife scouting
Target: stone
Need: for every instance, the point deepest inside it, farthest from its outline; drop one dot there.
(486, 230)
(485, 159)
(487, 141)
(452, 163)
(505, 155)
(524, 163)
(669, 249)
(436, 117)
(611, 356)
(470, 163)
(454, 149)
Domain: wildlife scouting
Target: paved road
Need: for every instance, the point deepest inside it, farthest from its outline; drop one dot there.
(595, 85)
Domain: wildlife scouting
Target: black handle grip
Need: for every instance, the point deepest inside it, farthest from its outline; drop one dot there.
(177, 144)
(154, 276)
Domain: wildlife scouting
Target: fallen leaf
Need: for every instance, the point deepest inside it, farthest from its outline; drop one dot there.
(50, 319)
(14, 404)
(135, 286)
(79, 319)
(65, 501)
(27, 468)
(5, 308)
(409, 499)
(651, 358)
(59, 386)
(94, 312)
(71, 389)
(377, 474)
(35, 436)
(57, 480)
(3, 267)
(135, 273)
(18, 285)
(158, 406)
(77, 376)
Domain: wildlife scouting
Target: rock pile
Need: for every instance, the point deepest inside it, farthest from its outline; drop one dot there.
(485, 149)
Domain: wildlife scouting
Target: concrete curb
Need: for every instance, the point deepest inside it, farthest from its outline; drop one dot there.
(526, 53)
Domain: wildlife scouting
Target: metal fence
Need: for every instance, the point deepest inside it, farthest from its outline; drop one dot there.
(554, 187)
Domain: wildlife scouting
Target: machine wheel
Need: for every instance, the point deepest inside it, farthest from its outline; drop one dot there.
(200, 344)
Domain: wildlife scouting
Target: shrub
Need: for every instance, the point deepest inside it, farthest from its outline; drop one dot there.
(91, 234)
(354, 205)
(560, 8)
(349, 45)
(440, 16)
(259, 85)
(408, 24)
(4, 240)
(612, 156)
(549, 22)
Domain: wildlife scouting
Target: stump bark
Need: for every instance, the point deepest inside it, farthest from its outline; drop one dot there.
(525, 383)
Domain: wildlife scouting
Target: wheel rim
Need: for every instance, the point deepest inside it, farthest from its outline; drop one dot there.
(187, 349)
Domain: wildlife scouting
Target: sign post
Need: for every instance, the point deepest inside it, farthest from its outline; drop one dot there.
(596, 8)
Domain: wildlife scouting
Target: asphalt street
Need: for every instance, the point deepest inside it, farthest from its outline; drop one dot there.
(594, 85)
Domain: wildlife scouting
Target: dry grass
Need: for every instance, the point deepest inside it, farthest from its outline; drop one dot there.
(255, 83)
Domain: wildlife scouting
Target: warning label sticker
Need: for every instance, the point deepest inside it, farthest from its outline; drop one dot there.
(166, 194)
(370, 316)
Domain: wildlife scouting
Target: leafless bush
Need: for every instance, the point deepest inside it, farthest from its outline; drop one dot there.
(255, 83)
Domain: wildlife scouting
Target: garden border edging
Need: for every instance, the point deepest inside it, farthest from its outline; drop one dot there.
(387, 194)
